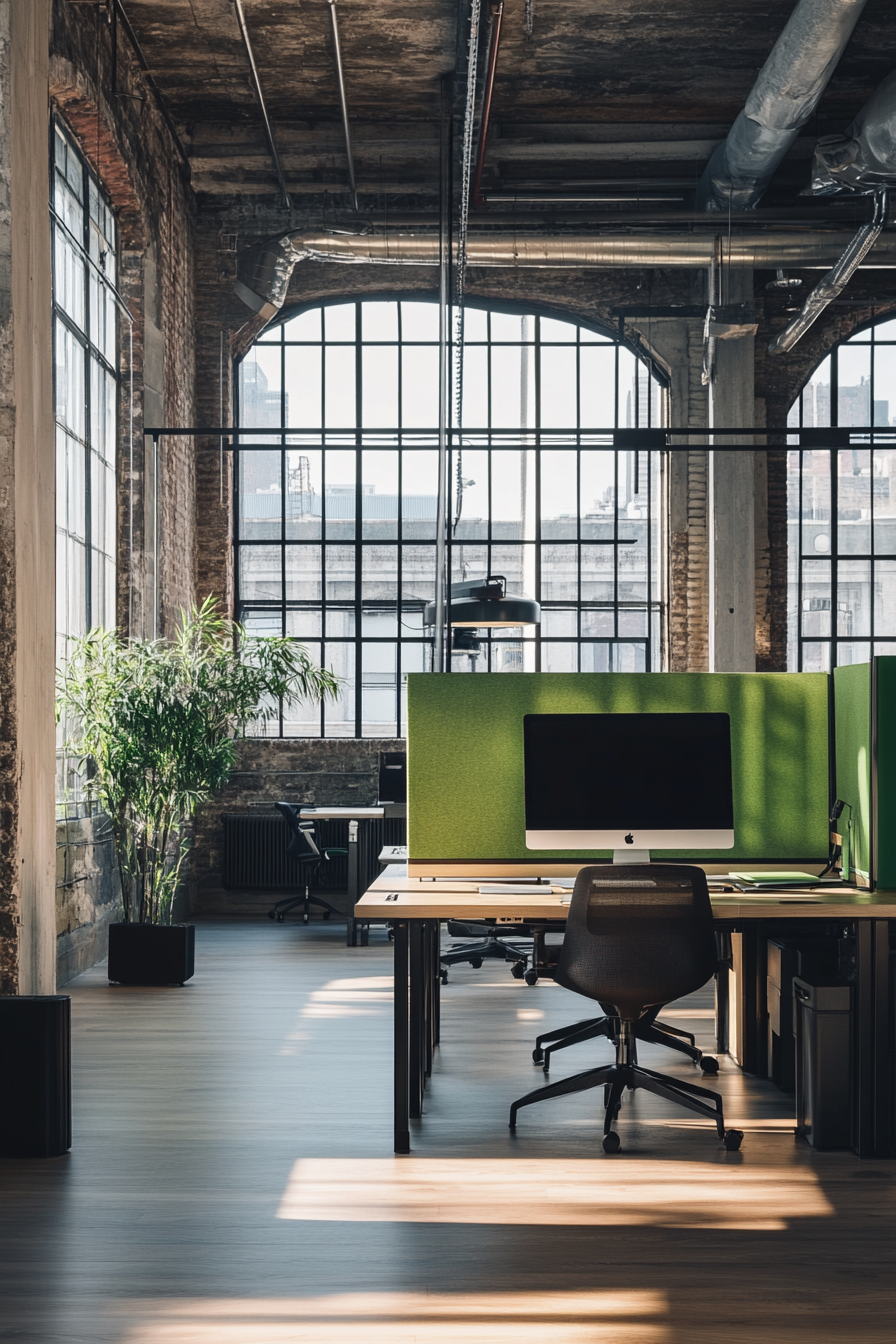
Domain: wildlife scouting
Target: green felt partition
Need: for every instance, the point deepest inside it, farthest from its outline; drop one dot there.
(852, 747)
(884, 782)
(465, 756)
(865, 743)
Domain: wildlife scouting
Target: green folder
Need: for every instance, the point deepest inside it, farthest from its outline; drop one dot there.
(783, 879)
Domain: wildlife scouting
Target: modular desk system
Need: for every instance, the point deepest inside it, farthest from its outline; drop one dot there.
(356, 931)
(415, 908)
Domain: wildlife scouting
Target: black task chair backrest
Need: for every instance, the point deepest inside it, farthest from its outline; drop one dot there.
(301, 834)
(638, 935)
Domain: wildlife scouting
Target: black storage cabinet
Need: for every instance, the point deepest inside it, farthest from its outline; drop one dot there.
(823, 1027)
(36, 1073)
(788, 957)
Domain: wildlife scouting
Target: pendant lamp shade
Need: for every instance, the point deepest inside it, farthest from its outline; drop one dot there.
(487, 605)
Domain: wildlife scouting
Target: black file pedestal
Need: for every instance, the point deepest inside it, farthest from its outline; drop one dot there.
(823, 1028)
(35, 1065)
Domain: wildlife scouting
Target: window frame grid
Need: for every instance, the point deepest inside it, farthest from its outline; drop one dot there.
(93, 356)
(868, 438)
(401, 437)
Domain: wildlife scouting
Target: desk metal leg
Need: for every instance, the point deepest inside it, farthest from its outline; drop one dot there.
(351, 931)
(402, 1134)
(417, 1019)
(873, 1043)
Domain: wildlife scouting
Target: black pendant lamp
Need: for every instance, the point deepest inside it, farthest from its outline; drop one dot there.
(486, 605)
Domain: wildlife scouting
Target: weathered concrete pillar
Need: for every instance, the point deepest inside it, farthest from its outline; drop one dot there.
(731, 498)
(27, 509)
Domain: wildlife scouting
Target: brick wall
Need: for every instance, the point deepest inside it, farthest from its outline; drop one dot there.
(130, 148)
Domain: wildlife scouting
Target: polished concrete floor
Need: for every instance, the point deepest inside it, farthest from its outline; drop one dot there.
(231, 1179)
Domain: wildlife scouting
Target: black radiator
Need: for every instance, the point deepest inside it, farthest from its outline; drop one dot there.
(255, 851)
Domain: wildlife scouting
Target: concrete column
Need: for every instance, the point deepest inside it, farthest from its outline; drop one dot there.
(731, 499)
(27, 508)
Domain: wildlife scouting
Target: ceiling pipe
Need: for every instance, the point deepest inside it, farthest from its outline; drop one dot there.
(863, 160)
(784, 97)
(264, 271)
(343, 102)
(494, 46)
(832, 285)
(256, 84)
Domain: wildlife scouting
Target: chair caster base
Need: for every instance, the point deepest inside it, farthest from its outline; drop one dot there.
(531, 976)
(272, 914)
(611, 1142)
(279, 918)
(518, 970)
(733, 1139)
(537, 1055)
(709, 1064)
(443, 976)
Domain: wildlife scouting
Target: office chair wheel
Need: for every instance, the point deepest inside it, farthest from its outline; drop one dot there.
(272, 914)
(443, 975)
(531, 976)
(518, 969)
(612, 1144)
(475, 962)
(279, 918)
(537, 1055)
(733, 1139)
(709, 1064)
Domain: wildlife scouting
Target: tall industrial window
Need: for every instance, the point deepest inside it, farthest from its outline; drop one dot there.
(85, 389)
(336, 519)
(841, 493)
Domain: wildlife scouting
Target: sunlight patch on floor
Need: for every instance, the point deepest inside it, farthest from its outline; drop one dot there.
(550, 1191)
(407, 1318)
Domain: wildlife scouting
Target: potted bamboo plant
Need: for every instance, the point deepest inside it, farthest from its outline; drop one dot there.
(154, 723)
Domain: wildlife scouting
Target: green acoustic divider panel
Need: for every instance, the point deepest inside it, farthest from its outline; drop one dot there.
(852, 745)
(884, 745)
(465, 755)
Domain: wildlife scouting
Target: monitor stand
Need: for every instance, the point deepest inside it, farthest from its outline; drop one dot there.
(631, 855)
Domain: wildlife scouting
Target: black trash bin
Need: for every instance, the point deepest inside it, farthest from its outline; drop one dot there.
(35, 1066)
(823, 1028)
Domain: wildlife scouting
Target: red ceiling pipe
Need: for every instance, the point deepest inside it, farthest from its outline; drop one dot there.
(494, 44)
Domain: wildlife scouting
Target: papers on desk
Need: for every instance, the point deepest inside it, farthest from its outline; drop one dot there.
(506, 889)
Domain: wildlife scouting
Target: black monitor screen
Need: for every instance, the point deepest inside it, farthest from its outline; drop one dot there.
(613, 771)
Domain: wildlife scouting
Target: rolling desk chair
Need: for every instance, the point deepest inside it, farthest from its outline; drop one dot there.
(637, 937)
(488, 948)
(647, 1028)
(302, 848)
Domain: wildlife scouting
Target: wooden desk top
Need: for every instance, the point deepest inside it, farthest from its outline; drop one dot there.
(421, 898)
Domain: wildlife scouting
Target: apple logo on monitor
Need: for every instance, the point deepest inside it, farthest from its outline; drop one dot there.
(629, 839)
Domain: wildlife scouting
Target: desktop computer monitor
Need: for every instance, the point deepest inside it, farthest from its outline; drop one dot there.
(628, 782)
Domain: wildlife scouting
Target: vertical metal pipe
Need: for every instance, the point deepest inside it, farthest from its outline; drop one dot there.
(438, 662)
(494, 45)
(337, 50)
(256, 84)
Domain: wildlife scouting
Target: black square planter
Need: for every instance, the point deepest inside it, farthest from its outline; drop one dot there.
(36, 1073)
(151, 954)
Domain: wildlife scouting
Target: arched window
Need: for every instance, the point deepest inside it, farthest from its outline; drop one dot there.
(335, 526)
(841, 506)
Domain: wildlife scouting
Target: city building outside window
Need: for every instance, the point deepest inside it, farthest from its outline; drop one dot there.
(336, 519)
(86, 394)
(841, 505)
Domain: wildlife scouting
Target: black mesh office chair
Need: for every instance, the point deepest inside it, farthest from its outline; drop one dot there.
(488, 947)
(637, 937)
(303, 850)
(647, 1028)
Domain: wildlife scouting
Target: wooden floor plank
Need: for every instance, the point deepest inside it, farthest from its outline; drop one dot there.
(194, 1109)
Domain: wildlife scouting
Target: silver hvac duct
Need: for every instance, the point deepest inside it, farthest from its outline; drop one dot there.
(864, 159)
(782, 100)
(832, 285)
(264, 271)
